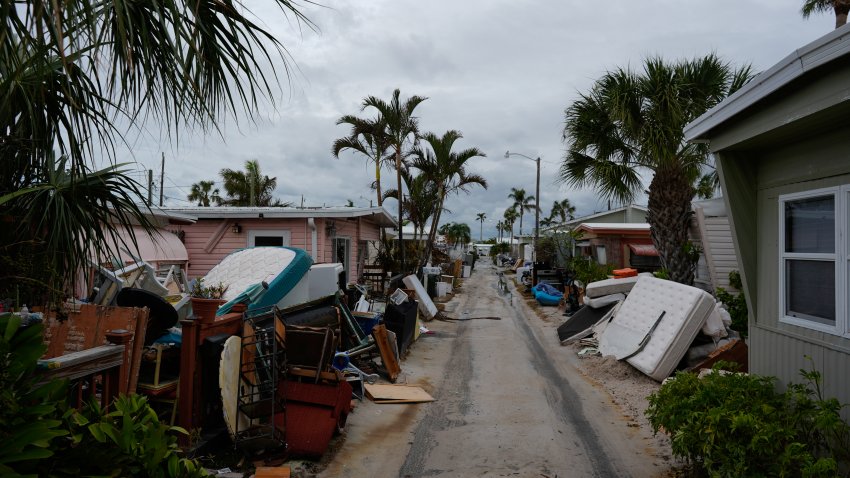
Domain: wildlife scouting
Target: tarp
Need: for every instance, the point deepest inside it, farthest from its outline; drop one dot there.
(643, 249)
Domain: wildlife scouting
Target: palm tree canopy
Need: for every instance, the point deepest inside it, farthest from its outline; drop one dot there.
(522, 201)
(249, 187)
(634, 121)
(400, 123)
(204, 194)
(840, 7)
(562, 210)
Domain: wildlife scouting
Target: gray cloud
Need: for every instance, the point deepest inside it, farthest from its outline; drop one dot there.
(500, 71)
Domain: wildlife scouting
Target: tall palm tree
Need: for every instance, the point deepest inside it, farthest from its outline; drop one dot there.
(840, 7)
(75, 75)
(446, 168)
(421, 201)
(632, 122)
(499, 229)
(510, 217)
(203, 192)
(522, 203)
(481, 217)
(461, 233)
(401, 129)
(368, 138)
(562, 210)
(249, 187)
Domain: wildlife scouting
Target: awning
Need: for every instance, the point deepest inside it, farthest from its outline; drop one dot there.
(583, 244)
(163, 246)
(643, 249)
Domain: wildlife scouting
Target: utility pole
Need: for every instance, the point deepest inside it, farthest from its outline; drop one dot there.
(150, 187)
(162, 179)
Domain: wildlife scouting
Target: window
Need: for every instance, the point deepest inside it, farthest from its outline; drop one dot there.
(814, 260)
(268, 238)
(601, 256)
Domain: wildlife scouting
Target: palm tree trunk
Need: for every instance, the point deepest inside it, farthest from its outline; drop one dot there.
(435, 222)
(842, 8)
(378, 182)
(400, 220)
(669, 204)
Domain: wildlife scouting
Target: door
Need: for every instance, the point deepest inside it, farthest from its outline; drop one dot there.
(342, 254)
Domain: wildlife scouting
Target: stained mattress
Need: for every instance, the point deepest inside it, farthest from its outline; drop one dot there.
(279, 267)
(666, 338)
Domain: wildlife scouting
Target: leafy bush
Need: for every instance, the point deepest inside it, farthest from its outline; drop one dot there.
(40, 435)
(588, 270)
(30, 415)
(736, 305)
(730, 424)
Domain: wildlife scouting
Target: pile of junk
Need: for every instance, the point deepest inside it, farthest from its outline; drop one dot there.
(288, 348)
(655, 325)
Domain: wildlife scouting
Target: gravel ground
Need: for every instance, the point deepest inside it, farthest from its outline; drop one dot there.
(628, 387)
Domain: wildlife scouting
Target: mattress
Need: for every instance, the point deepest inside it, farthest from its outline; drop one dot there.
(279, 267)
(426, 305)
(655, 325)
(598, 302)
(610, 286)
(613, 286)
(581, 324)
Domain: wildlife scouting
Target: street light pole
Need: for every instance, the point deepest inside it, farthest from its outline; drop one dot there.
(536, 203)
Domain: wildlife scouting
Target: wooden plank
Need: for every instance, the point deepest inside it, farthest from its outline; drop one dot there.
(82, 363)
(282, 471)
(385, 348)
(383, 393)
(735, 351)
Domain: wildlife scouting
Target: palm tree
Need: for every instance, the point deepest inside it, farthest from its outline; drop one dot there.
(499, 228)
(204, 193)
(75, 75)
(522, 202)
(840, 7)
(481, 217)
(250, 187)
(632, 122)
(421, 201)
(447, 169)
(510, 217)
(461, 233)
(401, 129)
(368, 138)
(562, 210)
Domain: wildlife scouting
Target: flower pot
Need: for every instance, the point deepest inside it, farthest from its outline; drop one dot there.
(204, 309)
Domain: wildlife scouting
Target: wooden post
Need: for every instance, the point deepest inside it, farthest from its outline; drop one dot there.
(188, 357)
(123, 338)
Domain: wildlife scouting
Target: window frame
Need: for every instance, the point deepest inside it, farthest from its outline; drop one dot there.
(840, 257)
(286, 234)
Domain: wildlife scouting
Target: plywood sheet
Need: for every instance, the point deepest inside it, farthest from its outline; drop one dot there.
(388, 358)
(397, 394)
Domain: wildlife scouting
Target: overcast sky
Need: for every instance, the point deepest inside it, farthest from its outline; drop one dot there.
(501, 72)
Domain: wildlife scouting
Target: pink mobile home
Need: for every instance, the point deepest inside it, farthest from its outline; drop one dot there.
(340, 234)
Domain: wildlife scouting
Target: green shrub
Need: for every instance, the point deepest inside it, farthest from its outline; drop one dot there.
(587, 270)
(730, 424)
(40, 435)
(736, 305)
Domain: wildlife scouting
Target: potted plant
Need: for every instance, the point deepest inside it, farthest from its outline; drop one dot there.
(206, 299)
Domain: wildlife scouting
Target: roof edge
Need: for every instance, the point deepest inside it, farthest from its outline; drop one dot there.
(834, 44)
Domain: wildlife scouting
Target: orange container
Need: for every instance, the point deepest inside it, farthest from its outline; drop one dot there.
(623, 273)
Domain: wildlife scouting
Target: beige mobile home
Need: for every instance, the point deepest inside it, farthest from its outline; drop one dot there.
(782, 146)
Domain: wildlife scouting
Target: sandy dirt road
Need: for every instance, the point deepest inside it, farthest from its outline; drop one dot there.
(507, 404)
